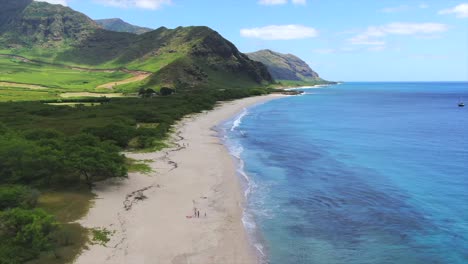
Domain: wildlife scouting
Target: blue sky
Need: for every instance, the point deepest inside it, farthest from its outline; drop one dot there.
(343, 40)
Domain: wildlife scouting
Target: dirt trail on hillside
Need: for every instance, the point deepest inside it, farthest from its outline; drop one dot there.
(138, 76)
(23, 85)
(79, 68)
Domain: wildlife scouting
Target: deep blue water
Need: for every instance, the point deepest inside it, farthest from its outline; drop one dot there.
(358, 173)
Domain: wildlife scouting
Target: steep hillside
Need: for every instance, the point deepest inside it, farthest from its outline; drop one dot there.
(43, 25)
(183, 57)
(118, 25)
(285, 66)
(10, 10)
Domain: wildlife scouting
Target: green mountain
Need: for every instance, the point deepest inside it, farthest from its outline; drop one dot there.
(285, 67)
(118, 25)
(185, 57)
(39, 24)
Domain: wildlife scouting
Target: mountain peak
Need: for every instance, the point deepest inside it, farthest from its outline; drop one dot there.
(119, 25)
(189, 57)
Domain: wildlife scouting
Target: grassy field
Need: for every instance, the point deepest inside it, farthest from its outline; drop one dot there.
(55, 77)
(24, 94)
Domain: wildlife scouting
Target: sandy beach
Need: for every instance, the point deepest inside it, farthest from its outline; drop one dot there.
(196, 172)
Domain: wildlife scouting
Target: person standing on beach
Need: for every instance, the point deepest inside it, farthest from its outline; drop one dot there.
(198, 214)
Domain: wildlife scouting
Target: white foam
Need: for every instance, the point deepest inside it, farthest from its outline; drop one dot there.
(238, 121)
(236, 150)
(259, 247)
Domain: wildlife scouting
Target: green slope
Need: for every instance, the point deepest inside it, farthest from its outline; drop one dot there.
(287, 68)
(185, 57)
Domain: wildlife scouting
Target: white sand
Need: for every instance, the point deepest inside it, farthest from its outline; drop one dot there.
(197, 170)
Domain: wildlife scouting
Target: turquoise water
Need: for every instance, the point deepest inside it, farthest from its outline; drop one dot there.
(357, 173)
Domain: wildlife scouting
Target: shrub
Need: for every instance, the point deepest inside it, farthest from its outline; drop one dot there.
(165, 91)
(25, 233)
(121, 134)
(257, 91)
(17, 196)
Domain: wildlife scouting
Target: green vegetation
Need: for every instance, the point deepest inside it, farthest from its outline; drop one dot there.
(25, 233)
(286, 67)
(56, 148)
(12, 196)
(117, 24)
(21, 94)
(175, 56)
(101, 236)
(55, 77)
(67, 206)
(44, 234)
(45, 157)
(56, 140)
(138, 166)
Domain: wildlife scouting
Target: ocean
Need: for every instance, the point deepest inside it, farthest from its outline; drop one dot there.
(356, 173)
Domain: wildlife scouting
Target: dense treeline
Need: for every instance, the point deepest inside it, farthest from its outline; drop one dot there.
(42, 157)
(45, 147)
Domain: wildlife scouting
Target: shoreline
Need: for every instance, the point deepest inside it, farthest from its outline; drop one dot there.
(308, 87)
(198, 171)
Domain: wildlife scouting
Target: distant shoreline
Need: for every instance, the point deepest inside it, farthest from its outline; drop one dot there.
(198, 171)
(297, 87)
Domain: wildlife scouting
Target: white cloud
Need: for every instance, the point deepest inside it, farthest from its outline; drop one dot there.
(374, 35)
(282, 2)
(395, 9)
(144, 4)
(414, 28)
(280, 32)
(460, 10)
(55, 2)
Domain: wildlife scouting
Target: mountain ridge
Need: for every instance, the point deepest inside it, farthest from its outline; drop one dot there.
(119, 25)
(58, 34)
(285, 66)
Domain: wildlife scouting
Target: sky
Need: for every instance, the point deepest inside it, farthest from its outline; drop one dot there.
(343, 40)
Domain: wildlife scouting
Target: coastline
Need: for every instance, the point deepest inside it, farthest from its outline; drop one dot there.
(198, 171)
(316, 86)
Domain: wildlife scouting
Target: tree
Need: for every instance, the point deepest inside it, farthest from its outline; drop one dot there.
(146, 93)
(25, 161)
(25, 233)
(165, 91)
(12, 196)
(121, 134)
(94, 160)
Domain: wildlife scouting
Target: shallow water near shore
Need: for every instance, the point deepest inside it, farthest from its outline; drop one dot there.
(357, 173)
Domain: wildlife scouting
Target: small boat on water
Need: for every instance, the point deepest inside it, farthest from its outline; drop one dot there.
(461, 104)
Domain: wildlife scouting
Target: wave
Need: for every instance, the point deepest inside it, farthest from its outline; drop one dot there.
(309, 87)
(238, 121)
(231, 133)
